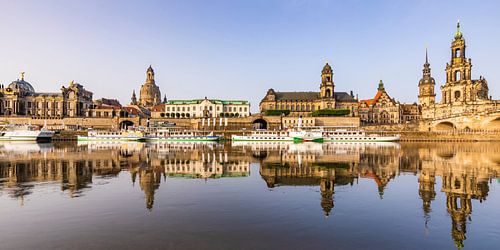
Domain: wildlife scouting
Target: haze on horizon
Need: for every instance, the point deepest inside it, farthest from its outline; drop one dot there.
(239, 49)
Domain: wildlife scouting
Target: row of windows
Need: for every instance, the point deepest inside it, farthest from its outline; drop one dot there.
(226, 109)
(188, 115)
(299, 107)
(295, 121)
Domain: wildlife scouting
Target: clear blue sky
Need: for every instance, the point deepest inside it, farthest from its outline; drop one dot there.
(239, 49)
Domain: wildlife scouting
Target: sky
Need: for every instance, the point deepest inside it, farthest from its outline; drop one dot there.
(240, 49)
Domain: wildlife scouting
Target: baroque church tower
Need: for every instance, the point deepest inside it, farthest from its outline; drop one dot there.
(426, 96)
(150, 93)
(459, 87)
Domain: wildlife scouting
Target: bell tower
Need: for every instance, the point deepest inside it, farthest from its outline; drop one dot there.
(458, 86)
(327, 86)
(459, 68)
(426, 95)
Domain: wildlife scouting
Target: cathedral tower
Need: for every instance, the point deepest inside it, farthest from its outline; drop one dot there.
(426, 95)
(459, 87)
(150, 93)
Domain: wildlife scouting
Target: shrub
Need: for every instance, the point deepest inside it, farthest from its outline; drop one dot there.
(277, 112)
(331, 112)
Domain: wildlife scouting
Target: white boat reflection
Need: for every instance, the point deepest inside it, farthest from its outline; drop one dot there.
(106, 145)
(313, 148)
(25, 147)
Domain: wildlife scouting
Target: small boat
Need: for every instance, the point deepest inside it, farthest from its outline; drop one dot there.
(25, 133)
(176, 135)
(354, 134)
(104, 135)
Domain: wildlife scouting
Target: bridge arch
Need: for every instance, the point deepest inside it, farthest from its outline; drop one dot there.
(444, 126)
(126, 123)
(259, 124)
(493, 124)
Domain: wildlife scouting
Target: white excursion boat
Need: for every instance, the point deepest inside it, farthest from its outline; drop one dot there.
(25, 133)
(176, 135)
(104, 135)
(296, 135)
(354, 134)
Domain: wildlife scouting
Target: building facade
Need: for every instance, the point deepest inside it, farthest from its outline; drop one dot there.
(382, 109)
(304, 103)
(205, 108)
(20, 99)
(461, 96)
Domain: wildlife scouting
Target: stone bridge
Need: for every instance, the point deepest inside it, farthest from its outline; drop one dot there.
(475, 122)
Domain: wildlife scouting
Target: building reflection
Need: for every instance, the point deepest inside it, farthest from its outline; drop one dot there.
(465, 171)
(23, 166)
(326, 165)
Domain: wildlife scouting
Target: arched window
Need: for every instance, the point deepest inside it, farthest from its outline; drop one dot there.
(457, 95)
(457, 53)
(457, 75)
(327, 78)
(328, 93)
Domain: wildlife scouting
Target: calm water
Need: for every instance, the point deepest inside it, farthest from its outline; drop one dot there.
(315, 196)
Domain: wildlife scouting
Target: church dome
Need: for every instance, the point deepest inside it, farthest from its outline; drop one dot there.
(22, 85)
(327, 69)
(429, 80)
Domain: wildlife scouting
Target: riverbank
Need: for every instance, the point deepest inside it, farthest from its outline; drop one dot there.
(407, 136)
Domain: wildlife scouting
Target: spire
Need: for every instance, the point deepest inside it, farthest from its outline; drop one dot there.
(133, 99)
(426, 57)
(427, 70)
(165, 99)
(381, 86)
(458, 34)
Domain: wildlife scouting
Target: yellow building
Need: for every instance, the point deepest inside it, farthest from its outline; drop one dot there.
(20, 99)
(304, 103)
(465, 102)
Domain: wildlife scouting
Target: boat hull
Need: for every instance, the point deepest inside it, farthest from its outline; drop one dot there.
(42, 136)
(92, 138)
(185, 139)
(363, 139)
(253, 138)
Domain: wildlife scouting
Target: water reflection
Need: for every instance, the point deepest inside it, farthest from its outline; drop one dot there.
(465, 171)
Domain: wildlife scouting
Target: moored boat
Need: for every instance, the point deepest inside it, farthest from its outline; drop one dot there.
(25, 133)
(354, 134)
(177, 135)
(105, 135)
(296, 135)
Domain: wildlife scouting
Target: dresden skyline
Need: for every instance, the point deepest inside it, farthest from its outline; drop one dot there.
(221, 50)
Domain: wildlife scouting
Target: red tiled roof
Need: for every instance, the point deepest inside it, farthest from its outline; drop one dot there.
(159, 108)
(374, 100)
